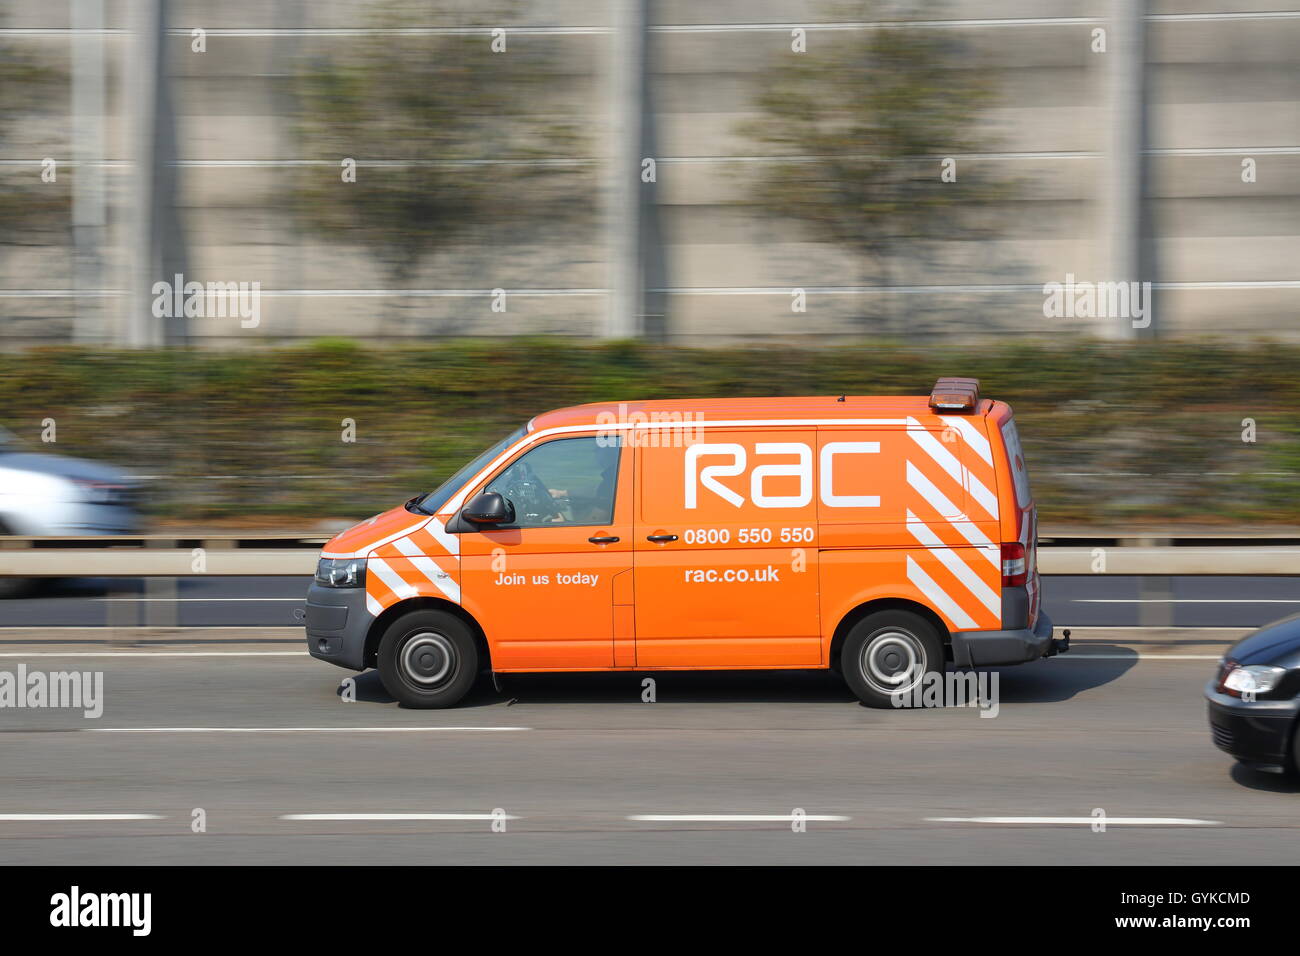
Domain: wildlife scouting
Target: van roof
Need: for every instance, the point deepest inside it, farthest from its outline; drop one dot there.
(739, 409)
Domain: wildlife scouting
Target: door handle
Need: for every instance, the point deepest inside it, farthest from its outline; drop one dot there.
(660, 538)
(603, 539)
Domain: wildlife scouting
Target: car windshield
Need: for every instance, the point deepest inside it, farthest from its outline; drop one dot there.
(431, 502)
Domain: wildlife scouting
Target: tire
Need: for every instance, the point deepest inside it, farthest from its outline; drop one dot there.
(428, 659)
(889, 653)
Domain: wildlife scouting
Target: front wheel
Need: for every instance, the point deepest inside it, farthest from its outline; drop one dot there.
(428, 659)
(887, 656)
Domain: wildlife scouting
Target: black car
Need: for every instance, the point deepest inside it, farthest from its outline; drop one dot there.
(1255, 698)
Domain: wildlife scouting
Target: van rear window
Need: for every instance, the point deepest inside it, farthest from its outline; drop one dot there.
(1019, 473)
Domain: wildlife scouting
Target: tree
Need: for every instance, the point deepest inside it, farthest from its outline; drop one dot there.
(32, 212)
(451, 123)
(868, 117)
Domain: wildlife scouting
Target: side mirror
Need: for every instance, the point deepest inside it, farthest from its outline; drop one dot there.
(490, 508)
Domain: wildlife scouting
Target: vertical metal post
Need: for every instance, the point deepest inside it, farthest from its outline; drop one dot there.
(88, 202)
(140, 329)
(1124, 181)
(623, 212)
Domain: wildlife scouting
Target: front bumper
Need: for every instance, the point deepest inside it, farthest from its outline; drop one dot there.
(1256, 732)
(991, 648)
(337, 625)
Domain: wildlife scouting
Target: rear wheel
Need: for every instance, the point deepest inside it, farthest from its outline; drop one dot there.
(887, 656)
(428, 659)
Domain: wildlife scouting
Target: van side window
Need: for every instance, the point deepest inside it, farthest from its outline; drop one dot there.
(569, 481)
(1019, 473)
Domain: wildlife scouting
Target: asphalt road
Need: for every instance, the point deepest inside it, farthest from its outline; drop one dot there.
(1084, 601)
(256, 740)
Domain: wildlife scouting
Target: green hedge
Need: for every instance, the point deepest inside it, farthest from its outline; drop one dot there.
(1144, 432)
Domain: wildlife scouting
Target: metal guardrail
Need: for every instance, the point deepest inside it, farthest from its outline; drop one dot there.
(216, 554)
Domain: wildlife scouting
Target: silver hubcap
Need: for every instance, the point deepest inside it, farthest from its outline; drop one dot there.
(428, 658)
(892, 662)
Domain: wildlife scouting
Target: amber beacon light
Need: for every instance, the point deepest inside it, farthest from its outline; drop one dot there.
(955, 395)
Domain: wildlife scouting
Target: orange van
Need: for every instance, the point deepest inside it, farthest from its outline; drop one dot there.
(885, 538)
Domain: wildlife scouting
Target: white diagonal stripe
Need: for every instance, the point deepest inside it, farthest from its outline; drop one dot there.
(965, 527)
(937, 596)
(362, 552)
(436, 575)
(972, 436)
(949, 463)
(987, 499)
(934, 448)
(950, 560)
(392, 578)
(449, 541)
(373, 606)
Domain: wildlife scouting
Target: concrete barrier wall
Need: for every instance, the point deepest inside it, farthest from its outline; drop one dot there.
(1221, 90)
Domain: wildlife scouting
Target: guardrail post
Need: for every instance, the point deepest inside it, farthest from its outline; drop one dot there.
(120, 614)
(160, 608)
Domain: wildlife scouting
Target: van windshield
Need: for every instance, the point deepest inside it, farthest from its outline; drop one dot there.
(430, 502)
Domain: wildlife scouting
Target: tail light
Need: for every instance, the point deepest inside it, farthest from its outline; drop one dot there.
(1015, 570)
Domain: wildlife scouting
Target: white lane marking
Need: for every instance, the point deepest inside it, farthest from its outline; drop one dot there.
(1084, 821)
(951, 560)
(39, 817)
(735, 818)
(296, 730)
(160, 654)
(396, 816)
(196, 600)
(1140, 657)
(938, 597)
(1184, 601)
(1145, 627)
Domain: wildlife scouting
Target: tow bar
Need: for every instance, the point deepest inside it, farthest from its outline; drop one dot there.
(1060, 644)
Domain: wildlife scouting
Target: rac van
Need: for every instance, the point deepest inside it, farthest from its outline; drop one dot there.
(887, 539)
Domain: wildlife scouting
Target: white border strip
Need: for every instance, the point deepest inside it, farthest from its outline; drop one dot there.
(1083, 821)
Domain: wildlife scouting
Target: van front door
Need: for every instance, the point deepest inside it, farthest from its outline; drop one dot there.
(543, 586)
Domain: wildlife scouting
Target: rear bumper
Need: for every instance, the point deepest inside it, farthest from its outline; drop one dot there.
(991, 648)
(337, 625)
(1257, 732)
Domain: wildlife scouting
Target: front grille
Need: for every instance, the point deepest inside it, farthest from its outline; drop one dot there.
(1223, 738)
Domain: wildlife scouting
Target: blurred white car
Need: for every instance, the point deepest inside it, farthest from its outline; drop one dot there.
(42, 494)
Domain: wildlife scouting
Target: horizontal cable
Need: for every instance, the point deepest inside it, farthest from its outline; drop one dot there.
(681, 160)
(538, 30)
(679, 290)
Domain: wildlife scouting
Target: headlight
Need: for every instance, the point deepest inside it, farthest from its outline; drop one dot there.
(1252, 680)
(341, 573)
